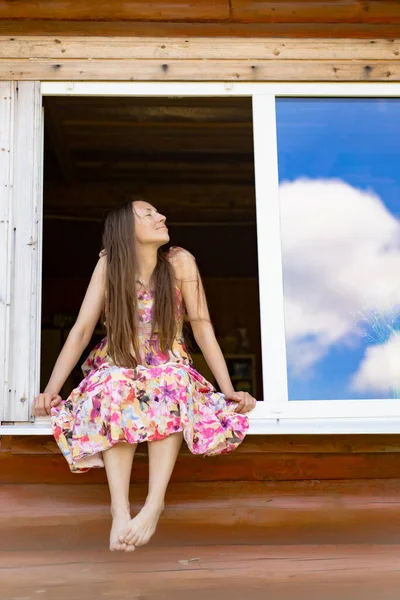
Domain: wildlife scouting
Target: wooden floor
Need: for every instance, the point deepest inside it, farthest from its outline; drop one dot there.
(278, 540)
(193, 572)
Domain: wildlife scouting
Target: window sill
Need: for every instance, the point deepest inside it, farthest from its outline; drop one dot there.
(260, 426)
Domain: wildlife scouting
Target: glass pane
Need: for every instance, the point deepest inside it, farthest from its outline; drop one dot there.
(339, 177)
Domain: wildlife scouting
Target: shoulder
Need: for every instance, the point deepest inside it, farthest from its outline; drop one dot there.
(177, 253)
(182, 260)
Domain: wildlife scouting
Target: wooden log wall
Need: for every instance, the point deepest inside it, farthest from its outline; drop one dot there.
(237, 40)
(244, 18)
(37, 459)
(198, 59)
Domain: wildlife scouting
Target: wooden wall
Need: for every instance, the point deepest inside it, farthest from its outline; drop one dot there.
(199, 59)
(241, 40)
(236, 40)
(244, 18)
(37, 459)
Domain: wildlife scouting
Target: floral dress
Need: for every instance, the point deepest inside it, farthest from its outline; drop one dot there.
(161, 396)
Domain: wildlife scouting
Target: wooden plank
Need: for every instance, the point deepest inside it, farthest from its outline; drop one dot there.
(26, 224)
(94, 196)
(129, 10)
(316, 11)
(271, 11)
(260, 444)
(283, 495)
(368, 31)
(226, 570)
(73, 516)
(205, 70)
(6, 121)
(165, 48)
(113, 141)
(52, 468)
(6, 443)
(221, 558)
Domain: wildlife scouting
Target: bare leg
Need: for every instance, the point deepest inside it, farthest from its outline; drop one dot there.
(118, 464)
(162, 459)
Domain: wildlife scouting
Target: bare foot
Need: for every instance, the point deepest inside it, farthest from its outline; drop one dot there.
(141, 528)
(119, 524)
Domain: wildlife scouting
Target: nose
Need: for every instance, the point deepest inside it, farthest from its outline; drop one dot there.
(162, 219)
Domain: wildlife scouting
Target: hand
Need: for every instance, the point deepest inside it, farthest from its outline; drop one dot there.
(44, 403)
(246, 402)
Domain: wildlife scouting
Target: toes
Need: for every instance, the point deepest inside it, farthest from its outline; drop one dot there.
(125, 536)
(142, 540)
(131, 538)
(135, 539)
(117, 547)
(128, 538)
(130, 548)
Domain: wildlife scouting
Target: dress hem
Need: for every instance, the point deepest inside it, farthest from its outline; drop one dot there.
(111, 443)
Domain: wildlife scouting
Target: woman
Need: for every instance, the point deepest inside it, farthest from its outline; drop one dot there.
(140, 384)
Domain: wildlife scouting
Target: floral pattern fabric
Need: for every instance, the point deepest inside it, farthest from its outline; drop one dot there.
(162, 395)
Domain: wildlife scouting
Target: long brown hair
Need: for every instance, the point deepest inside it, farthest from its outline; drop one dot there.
(120, 310)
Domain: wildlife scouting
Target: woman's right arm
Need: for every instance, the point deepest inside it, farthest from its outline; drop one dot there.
(76, 342)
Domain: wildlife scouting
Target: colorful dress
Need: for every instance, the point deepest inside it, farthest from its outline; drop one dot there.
(161, 396)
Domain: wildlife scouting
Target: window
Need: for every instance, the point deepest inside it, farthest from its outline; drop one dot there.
(327, 192)
(339, 192)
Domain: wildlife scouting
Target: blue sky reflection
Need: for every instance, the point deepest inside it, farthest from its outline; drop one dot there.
(340, 202)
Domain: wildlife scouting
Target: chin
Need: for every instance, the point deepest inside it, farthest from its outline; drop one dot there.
(163, 238)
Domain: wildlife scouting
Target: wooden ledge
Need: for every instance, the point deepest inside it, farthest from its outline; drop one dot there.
(37, 459)
(64, 516)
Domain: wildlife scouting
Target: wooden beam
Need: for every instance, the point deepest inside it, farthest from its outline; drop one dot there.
(316, 11)
(199, 70)
(115, 141)
(165, 48)
(125, 10)
(172, 172)
(94, 197)
(72, 525)
(270, 11)
(44, 27)
(58, 136)
(52, 468)
(320, 443)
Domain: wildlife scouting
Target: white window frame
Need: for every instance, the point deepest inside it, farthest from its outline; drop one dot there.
(21, 171)
(276, 414)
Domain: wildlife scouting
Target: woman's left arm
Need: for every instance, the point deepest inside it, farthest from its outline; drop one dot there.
(203, 331)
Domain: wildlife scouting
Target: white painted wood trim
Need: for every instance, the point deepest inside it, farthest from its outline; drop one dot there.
(26, 175)
(229, 88)
(270, 277)
(6, 129)
(264, 426)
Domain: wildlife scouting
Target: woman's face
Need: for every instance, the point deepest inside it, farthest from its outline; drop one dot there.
(149, 224)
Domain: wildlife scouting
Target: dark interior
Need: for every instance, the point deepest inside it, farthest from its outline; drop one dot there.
(192, 158)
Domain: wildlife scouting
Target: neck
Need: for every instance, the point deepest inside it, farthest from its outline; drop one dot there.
(146, 257)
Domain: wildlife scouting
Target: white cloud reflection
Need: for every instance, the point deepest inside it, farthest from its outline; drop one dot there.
(341, 249)
(379, 371)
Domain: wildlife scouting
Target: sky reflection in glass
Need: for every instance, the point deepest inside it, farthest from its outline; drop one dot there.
(339, 173)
